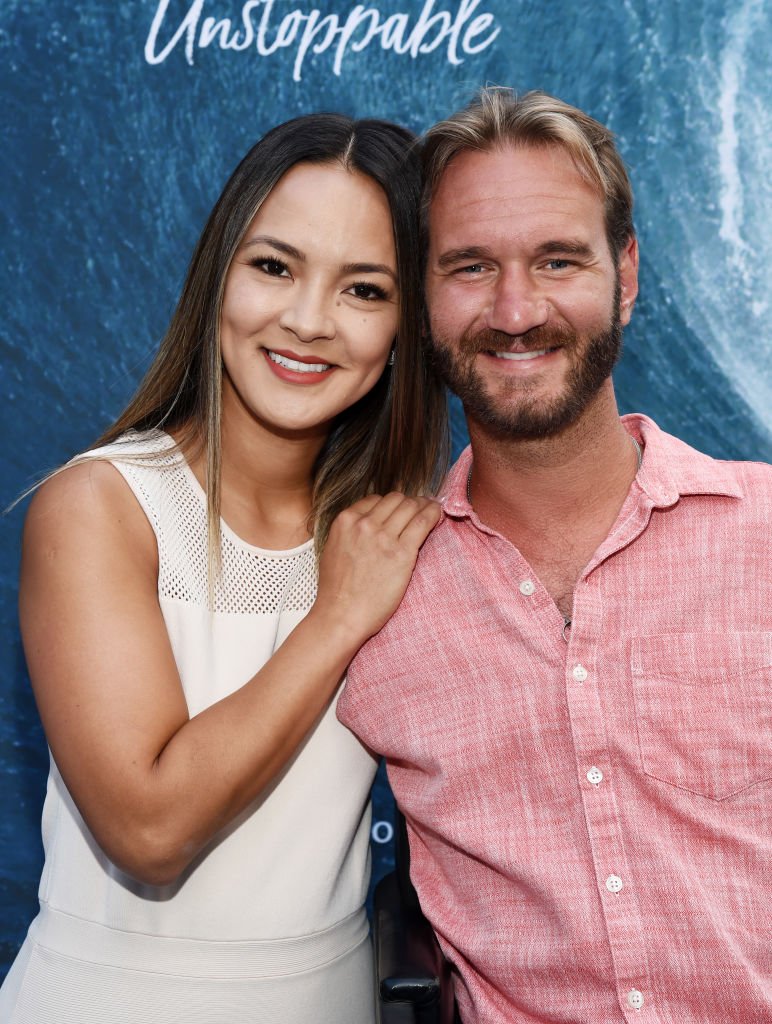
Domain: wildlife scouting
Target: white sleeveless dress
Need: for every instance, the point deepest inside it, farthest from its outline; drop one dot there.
(267, 924)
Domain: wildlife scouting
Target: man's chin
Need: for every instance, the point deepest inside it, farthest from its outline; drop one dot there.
(520, 427)
(521, 417)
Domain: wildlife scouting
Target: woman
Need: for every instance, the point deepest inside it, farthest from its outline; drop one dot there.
(205, 826)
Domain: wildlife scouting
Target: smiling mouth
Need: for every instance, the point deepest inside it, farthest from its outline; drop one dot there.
(295, 365)
(529, 354)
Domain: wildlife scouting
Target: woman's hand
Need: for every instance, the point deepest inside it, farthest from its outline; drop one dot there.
(153, 784)
(368, 560)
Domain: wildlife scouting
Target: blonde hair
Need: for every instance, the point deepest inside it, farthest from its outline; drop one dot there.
(498, 116)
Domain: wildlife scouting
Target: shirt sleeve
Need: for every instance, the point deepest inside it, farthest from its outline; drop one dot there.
(357, 704)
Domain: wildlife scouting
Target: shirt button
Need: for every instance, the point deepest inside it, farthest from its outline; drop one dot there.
(635, 999)
(614, 883)
(595, 776)
(527, 587)
(580, 673)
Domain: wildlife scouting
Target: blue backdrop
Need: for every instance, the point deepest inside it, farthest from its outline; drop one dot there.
(123, 121)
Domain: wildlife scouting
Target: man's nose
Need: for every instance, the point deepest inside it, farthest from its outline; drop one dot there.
(307, 315)
(518, 304)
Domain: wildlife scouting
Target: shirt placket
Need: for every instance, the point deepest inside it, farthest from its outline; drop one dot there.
(616, 882)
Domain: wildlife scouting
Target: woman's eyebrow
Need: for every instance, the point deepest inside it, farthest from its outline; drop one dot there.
(276, 243)
(368, 268)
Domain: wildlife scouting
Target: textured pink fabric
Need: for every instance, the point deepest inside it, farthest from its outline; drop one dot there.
(590, 821)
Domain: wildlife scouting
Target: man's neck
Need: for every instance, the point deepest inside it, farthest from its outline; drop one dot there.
(555, 498)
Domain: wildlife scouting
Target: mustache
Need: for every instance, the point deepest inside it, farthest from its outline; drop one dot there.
(537, 338)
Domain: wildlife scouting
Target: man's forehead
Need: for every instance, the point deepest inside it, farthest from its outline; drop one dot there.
(510, 166)
(511, 183)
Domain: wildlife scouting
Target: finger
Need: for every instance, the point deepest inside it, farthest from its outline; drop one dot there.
(365, 505)
(421, 523)
(402, 513)
(382, 510)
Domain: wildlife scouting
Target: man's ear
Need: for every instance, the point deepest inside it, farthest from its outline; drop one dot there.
(628, 279)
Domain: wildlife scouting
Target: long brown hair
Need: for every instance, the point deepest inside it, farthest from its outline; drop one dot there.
(395, 437)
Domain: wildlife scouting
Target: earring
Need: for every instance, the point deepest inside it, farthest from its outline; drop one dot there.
(392, 355)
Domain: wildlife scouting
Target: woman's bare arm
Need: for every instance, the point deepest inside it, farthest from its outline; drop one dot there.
(154, 785)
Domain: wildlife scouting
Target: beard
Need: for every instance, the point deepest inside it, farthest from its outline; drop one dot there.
(516, 411)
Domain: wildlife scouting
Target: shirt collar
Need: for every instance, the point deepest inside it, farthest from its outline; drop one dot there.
(453, 497)
(670, 469)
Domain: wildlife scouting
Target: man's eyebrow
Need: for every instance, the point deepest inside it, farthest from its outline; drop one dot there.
(454, 256)
(368, 268)
(276, 243)
(565, 247)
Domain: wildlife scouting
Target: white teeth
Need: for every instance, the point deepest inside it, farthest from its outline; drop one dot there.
(298, 367)
(521, 355)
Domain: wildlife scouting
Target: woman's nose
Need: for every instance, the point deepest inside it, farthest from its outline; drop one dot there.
(307, 315)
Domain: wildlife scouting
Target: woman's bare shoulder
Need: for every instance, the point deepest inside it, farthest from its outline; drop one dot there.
(83, 503)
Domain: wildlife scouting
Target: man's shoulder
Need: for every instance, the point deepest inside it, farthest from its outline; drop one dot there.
(675, 466)
(423, 610)
(396, 656)
(754, 474)
(750, 478)
(754, 483)
(442, 555)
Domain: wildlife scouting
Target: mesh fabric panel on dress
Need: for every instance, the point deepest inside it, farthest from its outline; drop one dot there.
(252, 581)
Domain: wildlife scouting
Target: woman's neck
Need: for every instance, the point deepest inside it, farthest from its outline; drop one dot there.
(266, 481)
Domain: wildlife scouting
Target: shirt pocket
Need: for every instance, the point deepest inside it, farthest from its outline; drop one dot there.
(703, 710)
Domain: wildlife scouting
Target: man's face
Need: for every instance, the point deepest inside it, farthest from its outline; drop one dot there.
(526, 306)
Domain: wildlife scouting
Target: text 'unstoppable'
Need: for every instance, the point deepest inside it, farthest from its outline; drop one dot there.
(462, 32)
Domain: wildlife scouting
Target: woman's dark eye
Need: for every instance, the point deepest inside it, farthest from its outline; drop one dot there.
(367, 290)
(270, 266)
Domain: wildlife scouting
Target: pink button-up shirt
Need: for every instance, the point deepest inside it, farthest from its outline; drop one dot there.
(590, 817)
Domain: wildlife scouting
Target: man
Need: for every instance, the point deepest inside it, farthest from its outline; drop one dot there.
(575, 697)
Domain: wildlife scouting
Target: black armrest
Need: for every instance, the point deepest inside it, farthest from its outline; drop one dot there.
(408, 960)
(413, 977)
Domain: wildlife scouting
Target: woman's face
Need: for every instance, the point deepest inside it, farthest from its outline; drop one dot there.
(311, 301)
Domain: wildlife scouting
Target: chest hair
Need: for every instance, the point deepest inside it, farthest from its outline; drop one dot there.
(558, 563)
